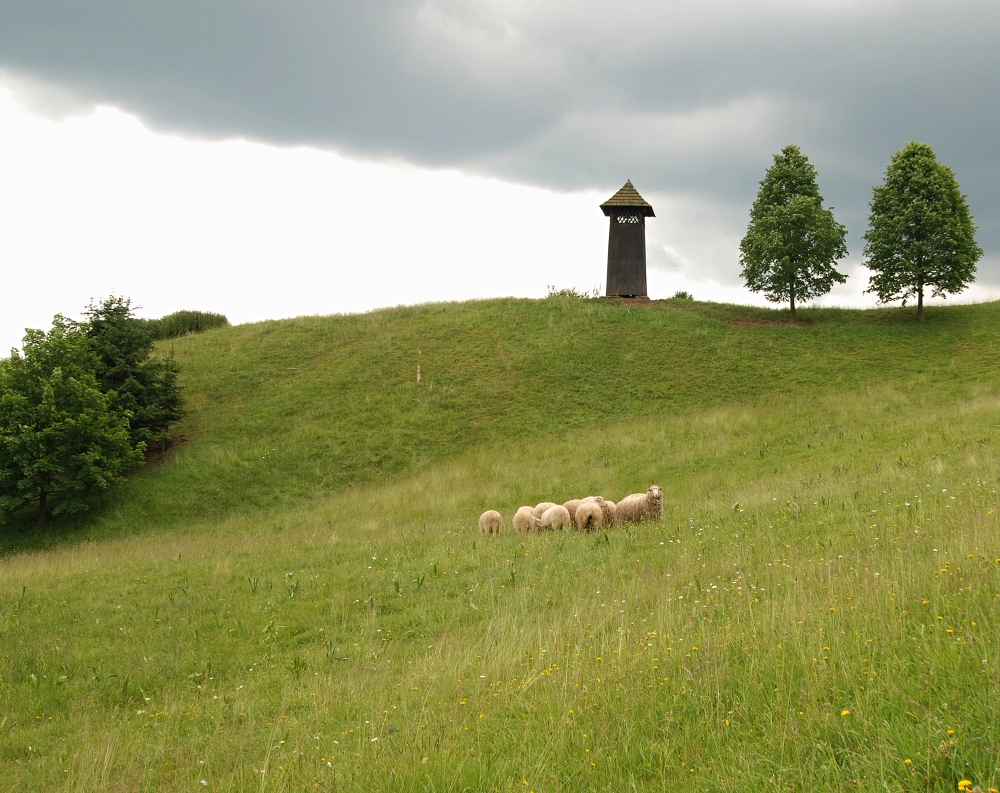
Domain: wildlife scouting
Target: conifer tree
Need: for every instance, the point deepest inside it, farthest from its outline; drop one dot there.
(920, 231)
(143, 386)
(792, 241)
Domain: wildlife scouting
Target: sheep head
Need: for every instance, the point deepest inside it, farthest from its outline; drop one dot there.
(655, 493)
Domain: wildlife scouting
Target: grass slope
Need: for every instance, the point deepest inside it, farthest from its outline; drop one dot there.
(298, 599)
(283, 412)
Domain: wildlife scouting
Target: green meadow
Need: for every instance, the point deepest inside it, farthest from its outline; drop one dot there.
(295, 596)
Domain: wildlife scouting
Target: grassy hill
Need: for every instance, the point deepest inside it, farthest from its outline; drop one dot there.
(296, 596)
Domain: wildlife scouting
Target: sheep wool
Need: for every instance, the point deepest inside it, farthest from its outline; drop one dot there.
(610, 510)
(555, 517)
(641, 506)
(589, 516)
(539, 509)
(490, 522)
(524, 519)
(571, 506)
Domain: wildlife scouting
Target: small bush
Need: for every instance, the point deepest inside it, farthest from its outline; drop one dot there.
(573, 292)
(180, 323)
(682, 295)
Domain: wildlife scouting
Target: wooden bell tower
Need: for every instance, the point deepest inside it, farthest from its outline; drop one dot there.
(627, 211)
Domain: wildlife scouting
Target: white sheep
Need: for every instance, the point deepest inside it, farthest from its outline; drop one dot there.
(540, 508)
(641, 506)
(589, 516)
(490, 522)
(524, 519)
(571, 506)
(610, 511)
(555, 517)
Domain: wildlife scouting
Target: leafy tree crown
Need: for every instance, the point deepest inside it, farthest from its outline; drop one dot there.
(58, 434)
(920, 230)
(791, 175)
(792, 241)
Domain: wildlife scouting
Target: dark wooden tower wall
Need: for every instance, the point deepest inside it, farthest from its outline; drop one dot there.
(627, 254)
(627, 212)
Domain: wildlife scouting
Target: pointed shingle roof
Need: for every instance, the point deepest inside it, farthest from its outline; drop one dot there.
(628, 196)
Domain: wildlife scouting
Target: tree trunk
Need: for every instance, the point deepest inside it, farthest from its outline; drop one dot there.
(792, 295)
(920, 302)
(42, 507)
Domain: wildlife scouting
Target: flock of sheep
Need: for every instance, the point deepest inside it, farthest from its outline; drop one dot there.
(587, 514)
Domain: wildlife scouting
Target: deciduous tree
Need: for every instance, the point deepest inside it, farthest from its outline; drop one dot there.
(58, 434)
(920, 231)
(792, 241)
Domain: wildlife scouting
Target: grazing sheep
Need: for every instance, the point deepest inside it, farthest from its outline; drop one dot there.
(524, 519)
(571, 507)
(555, 517)
(589, 516)
(642, 506)
(610, 511)
(540, 508)
(490, 522)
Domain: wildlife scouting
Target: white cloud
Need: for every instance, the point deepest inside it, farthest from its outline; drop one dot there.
(97, 204)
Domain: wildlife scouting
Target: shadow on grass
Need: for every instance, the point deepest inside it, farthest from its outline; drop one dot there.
(741, 316)
(22, 534)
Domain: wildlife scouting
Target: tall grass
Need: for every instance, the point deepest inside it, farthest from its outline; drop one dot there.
(815, 610)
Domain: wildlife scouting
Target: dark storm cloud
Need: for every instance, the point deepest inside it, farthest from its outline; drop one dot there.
(337, 74)
(688, 97)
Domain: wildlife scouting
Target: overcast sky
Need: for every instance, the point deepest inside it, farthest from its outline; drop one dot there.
(267, 159)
